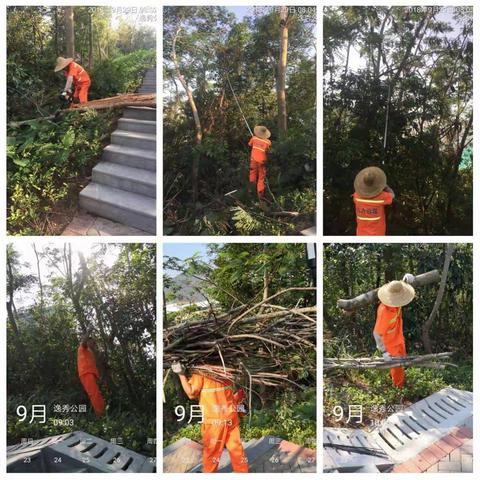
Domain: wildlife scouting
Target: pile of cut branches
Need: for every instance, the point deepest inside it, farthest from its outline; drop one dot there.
(434, 360)
(252, 342)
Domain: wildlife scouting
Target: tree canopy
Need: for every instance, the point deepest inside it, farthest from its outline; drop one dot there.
(51, 150)
(353, 269)
(208, 51)
(56, 294)
(232, 278)
(398, 95)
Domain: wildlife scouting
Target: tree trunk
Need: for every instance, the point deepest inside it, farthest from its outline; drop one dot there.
(372, 296)
(11, 310)
(90, 41)
(196, 117)
(69, 32)
(282, 71)
(55, 32)
(164, 307)
(441, 290)
(454, 173)
(40, 284)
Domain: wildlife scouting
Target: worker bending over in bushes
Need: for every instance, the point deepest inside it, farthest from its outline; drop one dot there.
(388, 331)
(371, 196)
(221, 425)
(77, 77)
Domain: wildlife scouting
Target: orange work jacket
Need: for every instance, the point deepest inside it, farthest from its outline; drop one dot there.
(79, 74)
(217, 399)
(389, 326)
(86, 361)
(259, 149)
(371, 213)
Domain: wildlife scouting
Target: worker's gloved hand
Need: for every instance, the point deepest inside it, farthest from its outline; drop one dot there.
(178, 368)
(386, 356)
(408, 278)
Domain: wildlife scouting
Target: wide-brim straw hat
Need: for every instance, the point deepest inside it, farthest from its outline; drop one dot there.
(261, 132)
(370, 181)
(396, 294)
(62, 62)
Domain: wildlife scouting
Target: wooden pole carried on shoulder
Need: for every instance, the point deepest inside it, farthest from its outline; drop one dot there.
(371, 296)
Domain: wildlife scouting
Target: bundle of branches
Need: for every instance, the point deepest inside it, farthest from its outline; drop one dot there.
(434, 360)
(255, 342)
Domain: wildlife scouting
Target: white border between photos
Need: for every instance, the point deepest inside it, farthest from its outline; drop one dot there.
(318, 238)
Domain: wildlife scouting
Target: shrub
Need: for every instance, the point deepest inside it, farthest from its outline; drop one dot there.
(46, 162)
(122, 74)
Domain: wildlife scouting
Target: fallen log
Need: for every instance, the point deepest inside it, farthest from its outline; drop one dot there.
(434, 360)
(126, 100)
(370, 297)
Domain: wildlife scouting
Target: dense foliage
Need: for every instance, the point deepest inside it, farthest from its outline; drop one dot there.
(50, 159)
(48, 163)
(416, 66)
(207, 158)
(238, 274)
(352, 269)
(110, 292)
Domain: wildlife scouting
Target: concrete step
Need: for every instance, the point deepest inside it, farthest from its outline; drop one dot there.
(124, 207)
(144, 141)
(147, 90)
(125, 178)
(135, 125)
(140, 113)
(131, 157)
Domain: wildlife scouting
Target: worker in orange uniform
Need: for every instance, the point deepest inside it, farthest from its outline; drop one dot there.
(77, 77)
(388, 331)
(260, 144)
(221, 425)
(371, 196)
(88, 373)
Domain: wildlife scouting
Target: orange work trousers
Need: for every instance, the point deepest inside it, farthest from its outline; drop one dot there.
(81, 92)
(215, 439)
(397, 373)
(89, 382)
(258, 172)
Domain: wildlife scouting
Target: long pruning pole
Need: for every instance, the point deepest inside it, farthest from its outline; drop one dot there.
(386, 119)
(239, 107)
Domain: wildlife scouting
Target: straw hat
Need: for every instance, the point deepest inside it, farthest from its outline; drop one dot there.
(62, 63)
(261, 132)
(396, 294)
(370, 181)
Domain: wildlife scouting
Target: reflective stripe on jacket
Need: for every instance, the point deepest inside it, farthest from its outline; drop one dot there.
(217, 399)
(259, 148)
(388, 331)
(370, 213)
(79, 74)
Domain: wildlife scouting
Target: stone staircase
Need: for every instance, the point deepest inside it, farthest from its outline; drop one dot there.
(123, 186)
(149, 82)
